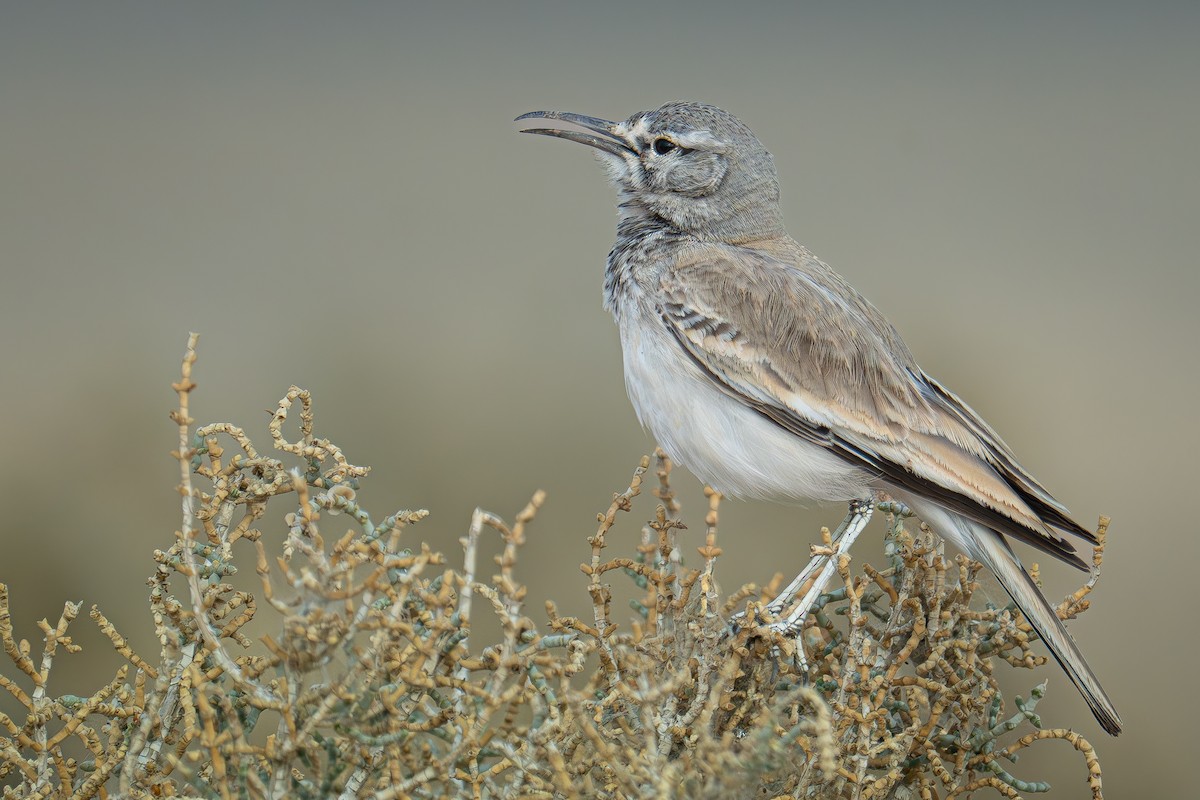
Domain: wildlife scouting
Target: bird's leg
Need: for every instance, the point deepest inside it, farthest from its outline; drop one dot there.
(844, 536)
(857, 518)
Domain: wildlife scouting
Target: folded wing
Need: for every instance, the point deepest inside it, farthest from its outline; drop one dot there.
(796, 343)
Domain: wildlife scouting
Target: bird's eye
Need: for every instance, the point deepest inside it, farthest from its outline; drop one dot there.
(663, 146)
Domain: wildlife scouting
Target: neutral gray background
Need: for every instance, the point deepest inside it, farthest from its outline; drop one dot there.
(337, 197)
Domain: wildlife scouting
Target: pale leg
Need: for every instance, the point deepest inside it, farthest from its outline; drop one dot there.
(854, 523)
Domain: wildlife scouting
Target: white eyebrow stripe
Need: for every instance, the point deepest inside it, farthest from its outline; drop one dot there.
(692, 139)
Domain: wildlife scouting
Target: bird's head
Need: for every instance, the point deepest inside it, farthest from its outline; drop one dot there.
(692, 165)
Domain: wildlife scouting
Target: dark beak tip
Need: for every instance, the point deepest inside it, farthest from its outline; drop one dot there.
(531, 115)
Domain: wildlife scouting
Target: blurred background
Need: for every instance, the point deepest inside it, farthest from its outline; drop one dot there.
(335, 196)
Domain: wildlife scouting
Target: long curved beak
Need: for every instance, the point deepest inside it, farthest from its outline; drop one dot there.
(612, 142)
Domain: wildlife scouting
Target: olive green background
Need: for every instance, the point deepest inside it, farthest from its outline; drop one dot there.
(334, 195)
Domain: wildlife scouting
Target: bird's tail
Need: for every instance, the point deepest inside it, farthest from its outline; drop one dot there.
(993, 550)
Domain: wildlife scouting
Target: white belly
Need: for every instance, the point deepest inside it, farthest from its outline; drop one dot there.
(726, 444)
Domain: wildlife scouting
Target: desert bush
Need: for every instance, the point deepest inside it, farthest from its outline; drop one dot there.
(374, 683)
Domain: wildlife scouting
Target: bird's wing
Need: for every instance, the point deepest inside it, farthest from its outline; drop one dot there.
(796, 343)
(1001, 457)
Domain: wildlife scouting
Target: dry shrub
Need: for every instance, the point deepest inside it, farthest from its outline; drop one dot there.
(373, 685)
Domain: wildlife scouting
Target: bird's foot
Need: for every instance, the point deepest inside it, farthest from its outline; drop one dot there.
(823, 565)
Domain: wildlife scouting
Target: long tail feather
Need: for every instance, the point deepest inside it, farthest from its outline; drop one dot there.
(994, 551)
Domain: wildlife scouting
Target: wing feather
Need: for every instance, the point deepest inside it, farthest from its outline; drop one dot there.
(801, 347)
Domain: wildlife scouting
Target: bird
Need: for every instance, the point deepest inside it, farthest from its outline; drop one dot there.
(765, 373)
